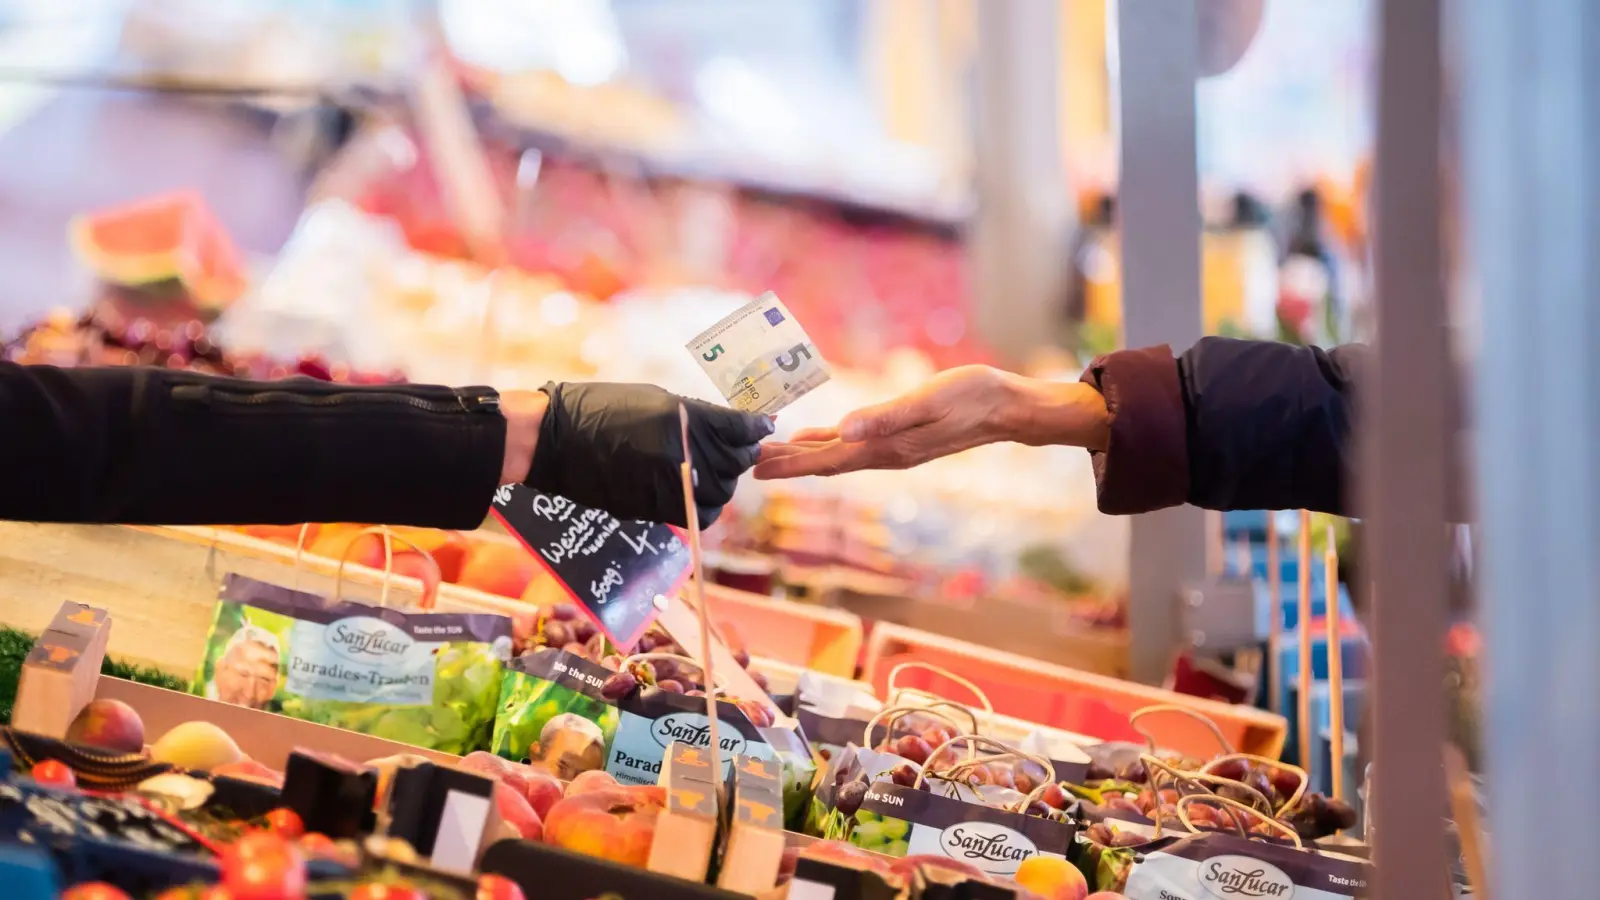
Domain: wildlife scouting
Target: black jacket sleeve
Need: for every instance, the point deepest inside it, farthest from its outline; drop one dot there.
(1268, 424)
(153, 446)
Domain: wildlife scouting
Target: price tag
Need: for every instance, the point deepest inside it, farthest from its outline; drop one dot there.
(619, 572)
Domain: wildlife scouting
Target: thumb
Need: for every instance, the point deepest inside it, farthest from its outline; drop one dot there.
(882, 420)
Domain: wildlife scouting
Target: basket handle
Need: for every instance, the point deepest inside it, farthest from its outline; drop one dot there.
(894, 674)
(1183, 815)
(1136, 715)
(430, 586)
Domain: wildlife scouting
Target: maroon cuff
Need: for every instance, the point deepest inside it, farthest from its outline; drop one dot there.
(1146, 463)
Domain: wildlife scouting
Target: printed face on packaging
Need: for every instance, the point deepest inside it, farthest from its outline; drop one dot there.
(247, 673)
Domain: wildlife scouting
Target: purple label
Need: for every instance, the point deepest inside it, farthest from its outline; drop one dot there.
(774, 317)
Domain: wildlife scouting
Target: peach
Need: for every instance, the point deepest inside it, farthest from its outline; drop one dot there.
(1106, 895)
(539, 789)
(544, 591)
(1052, 878)
(250, 770)
(111, 724)
(592, 780)
(448, 548)
(414, 565)
(282, 534)
(496, 568)
(543, 791)
(515, 810)
(199, 746)
(609, 824)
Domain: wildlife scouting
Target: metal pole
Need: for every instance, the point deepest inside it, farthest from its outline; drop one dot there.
(1407, 436)
(1019, 238)
(1159, 215)
(1531, 118)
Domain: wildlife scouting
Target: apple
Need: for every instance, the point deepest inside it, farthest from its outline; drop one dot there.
(610, 824)
(592, 780)
(111, 724)
(1052, 878)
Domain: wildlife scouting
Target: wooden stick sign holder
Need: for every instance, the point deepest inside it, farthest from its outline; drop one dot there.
(1330, 574)
(62, 671)
(1304, 627)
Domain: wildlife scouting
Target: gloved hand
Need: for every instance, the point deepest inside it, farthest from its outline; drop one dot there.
(616, 447)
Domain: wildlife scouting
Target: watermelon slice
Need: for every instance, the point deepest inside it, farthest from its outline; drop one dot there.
(157, 240)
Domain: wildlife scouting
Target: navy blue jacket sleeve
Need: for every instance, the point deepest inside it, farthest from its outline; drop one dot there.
(1230, 424)
(1269, 424)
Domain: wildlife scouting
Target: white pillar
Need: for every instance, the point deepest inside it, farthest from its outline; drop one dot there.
(1158, 210)
(1530, 102)
(1019, 235)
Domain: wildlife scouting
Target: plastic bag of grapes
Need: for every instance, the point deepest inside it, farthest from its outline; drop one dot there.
(421, 678)
(1224, 865)
(567, 714)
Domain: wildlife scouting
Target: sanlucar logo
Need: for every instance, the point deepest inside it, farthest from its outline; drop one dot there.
(695, 730)
(991, 847)
(1236, 877)
(364, 639)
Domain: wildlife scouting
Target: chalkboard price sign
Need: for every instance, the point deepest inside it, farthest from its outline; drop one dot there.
(619, 572)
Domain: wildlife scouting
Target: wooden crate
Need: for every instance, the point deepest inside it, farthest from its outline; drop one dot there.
(1066, 698)
(160, 585)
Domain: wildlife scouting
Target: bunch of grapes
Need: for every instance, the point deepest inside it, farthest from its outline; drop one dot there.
(563, 627)
(1313, 816)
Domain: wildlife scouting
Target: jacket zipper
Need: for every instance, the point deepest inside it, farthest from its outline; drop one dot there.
(463, 403)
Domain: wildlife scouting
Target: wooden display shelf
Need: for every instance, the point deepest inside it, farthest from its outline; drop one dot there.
(160, 584)
(267, 738)
(1069, 699)
(1045, 631)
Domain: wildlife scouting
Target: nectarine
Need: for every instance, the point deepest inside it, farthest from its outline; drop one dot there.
(111, 724)
(592, 780)
(497, 568)
(610, 824)
(448, 548)
(1052, 878)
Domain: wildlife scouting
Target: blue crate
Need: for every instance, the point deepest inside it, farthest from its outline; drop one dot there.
(28, 873)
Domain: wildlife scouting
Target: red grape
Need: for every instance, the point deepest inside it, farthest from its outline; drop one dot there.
(913, 748)
(904, 775)
(618, 686)
(850, 796)
(670, 685)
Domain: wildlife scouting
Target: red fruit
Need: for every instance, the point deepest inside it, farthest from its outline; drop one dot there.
(542, 792)
(515, 810)
(54, 772)
(97, 890)
(592, 780)
(618, 825)
(907, 865)
(913, 748)
(316, 843)
(1053, 796)
(1001, 777)
(498, 887)
(264, 866)
(937, 734)
(286, 822)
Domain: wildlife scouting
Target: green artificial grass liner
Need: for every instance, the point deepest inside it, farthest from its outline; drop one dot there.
(14, 648)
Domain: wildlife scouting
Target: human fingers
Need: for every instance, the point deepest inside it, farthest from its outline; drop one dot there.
(806, 435)
(887, 419)
(832, 458)
(730, 425)
(778, 450)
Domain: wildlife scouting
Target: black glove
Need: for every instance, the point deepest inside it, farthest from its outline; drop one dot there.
(616, 447)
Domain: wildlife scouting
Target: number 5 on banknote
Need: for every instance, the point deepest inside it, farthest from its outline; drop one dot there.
(759, 357)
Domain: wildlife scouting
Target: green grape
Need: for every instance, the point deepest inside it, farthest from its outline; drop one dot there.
(868, 834)
(896, 848)
(863, 815)
(895, 829)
